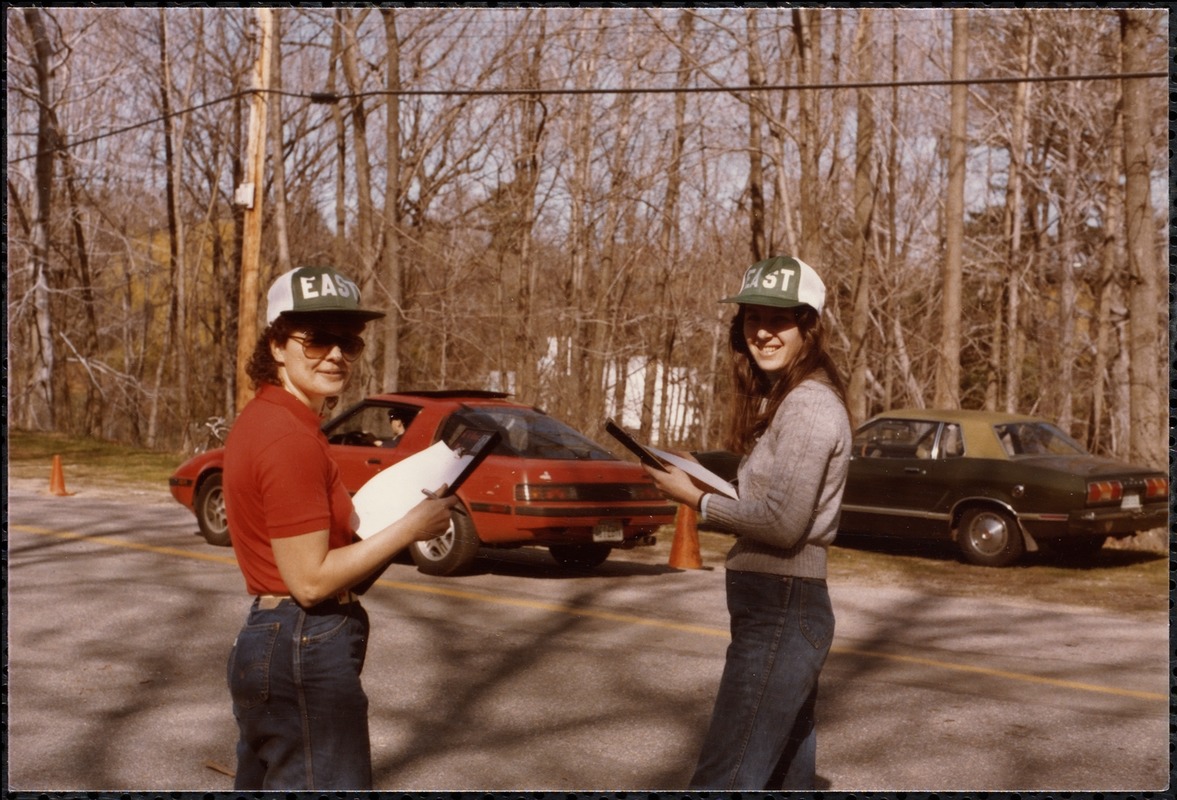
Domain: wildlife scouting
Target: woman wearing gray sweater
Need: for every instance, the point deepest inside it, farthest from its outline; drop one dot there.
(791, 425)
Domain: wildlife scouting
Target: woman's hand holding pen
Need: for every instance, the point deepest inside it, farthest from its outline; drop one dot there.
(431, 517)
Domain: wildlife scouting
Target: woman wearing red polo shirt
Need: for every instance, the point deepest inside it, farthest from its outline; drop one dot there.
(294, 671)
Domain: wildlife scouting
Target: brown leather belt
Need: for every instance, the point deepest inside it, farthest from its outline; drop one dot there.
(267, 602)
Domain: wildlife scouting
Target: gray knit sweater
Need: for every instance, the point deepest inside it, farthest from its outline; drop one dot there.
(790, 488)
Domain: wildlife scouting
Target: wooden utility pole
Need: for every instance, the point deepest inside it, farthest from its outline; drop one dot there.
(249, 194)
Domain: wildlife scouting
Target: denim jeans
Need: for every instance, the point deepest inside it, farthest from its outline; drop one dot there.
(302, 714)
(762, 733)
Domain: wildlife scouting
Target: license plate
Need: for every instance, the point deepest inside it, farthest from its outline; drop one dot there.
(1130, 501)
(608, 531)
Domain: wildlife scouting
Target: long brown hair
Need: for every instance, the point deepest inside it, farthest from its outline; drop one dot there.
(757, 397)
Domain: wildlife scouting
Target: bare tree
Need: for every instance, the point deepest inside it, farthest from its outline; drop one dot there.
(948, 365)
(42, 408)
(1147, 442)
(864, 213)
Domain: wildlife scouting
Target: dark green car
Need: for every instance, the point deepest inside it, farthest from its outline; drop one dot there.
(998, 485)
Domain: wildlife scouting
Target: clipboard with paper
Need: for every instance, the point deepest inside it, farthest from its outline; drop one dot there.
(389, 494)
(658, 459)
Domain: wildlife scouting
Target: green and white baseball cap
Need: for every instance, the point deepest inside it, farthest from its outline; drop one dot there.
(316, 290)
(783, 282)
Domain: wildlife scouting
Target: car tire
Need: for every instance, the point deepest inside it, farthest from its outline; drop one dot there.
(210, 511)
(990, 537)
(451, 553)
(581, 556)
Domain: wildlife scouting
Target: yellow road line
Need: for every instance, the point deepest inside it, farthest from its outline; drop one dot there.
(1001, 673)
(613, 616)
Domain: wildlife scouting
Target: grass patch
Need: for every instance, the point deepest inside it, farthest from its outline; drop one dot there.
(92, 461)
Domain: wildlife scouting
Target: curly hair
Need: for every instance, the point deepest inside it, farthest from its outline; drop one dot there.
(262, 368)
(757, 396)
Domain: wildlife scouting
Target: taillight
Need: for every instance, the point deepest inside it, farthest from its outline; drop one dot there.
(539, 494)
(1156, 487)
(1104, 492)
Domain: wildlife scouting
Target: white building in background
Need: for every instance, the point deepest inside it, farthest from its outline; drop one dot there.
(677, 382)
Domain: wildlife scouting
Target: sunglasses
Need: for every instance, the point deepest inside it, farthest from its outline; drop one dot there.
(317, 345)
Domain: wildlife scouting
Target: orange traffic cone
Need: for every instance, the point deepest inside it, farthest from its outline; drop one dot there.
(684, 550)
(57, 479)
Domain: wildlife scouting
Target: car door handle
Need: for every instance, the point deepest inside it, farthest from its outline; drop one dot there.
(915, 470)
(375, 461)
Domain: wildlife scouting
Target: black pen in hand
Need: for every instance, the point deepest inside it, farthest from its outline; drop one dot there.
(434, 496)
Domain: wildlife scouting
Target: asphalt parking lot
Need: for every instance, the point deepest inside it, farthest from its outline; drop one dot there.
(523, 676)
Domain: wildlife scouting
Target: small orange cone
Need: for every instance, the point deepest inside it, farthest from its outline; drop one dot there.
(684, 550)
(57, 479)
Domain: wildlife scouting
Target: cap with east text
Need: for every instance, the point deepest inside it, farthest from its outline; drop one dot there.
(783, 282)
(316, 290)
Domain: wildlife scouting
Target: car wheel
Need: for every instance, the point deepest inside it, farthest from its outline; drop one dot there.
(1077, 547)
(990, 537)
(452, 552)
(210, 511)
(584, 556)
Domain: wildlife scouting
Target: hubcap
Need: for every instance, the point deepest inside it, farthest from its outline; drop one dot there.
(216, 511)
(988, 534)
(439, 548)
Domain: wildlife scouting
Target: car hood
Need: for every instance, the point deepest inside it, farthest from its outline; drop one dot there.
(1088, 466)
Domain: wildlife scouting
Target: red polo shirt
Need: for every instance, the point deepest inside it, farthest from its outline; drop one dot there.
(279, 481)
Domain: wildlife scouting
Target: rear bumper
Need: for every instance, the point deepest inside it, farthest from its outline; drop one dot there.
(1097, 522)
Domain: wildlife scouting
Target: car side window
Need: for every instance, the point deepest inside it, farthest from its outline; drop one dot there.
(896, 438)
(372, 426)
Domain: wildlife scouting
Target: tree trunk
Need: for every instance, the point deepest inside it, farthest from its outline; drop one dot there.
(1014, 213)
(1148, 444)
(1071, 213)
(365, 380)
(864, 209)
(178, 304)
(42, 400)
(278, 157)
(755, 144)
(339, 246)
(390, 286)
(948, 364)
(807, 30)
(1106, 286)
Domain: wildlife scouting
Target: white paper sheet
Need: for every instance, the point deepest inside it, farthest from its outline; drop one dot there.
(389, 494)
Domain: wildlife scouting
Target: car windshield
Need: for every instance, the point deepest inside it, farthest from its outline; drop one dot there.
(1036, 439)
(529, 433)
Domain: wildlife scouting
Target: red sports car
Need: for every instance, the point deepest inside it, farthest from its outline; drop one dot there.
(544, 484)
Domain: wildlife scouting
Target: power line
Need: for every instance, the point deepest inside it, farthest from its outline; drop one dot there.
(331, 98)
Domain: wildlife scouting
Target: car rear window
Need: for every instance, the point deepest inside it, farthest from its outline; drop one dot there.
(529, 434)
(1036, 439)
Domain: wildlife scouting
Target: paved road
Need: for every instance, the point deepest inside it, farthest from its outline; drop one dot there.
(524, 676)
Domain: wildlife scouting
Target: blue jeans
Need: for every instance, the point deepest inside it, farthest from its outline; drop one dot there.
(762, 733)
(302, 713)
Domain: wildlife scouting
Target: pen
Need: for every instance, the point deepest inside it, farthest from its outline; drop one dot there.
(434, 496)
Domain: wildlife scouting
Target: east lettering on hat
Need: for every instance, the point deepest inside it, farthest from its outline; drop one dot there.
(781, 281)
(316, 290)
